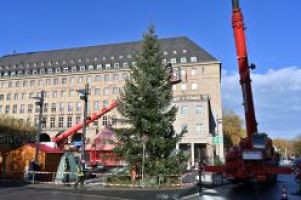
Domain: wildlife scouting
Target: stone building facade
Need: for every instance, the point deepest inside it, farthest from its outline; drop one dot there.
(60, 73)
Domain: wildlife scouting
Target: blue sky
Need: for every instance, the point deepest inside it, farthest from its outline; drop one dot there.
(273, 36)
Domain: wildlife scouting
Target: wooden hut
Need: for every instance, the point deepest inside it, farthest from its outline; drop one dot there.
(17, 160)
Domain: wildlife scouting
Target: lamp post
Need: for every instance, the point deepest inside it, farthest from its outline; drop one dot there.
(84, 93)
(144, 141)
(40, 103)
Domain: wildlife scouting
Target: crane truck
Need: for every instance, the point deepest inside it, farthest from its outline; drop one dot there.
(255, 157)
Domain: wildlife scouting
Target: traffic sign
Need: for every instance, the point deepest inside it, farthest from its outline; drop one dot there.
(217, 139)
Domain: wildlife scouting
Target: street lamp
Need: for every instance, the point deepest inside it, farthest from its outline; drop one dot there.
(40, 103)
(83, 94)
(144, 141)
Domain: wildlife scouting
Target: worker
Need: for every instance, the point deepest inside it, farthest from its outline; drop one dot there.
(80, 176)
(66, 172)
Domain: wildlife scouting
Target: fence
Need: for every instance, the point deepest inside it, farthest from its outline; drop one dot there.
(111, 180)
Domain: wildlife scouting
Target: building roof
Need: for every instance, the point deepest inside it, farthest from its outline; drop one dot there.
(46, 149)
(100, 54)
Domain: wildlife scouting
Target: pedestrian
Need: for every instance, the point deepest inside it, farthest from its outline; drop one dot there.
(66, 172)
(80, 176)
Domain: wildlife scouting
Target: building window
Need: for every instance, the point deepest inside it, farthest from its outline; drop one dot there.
(52, 122)
(0, 108)
(54, 81)
(46, 107)
(54, 94)
(7, 109)
(108, 66)
(116, 65)
(173, 60)
(71, 81)
(125, 64)
(64, 80)
(194, 86)
(32, 82)
(183, 86)
(90, 67)
(98, 78)
(63, 93)
(183, 71)
(37, 108)
(66, 69)
(15, 108)
(97, 92)
(193, 59)
(106, 91)
(115, 90)
(17, 84)
(183, 60)
(82, 68)
(8, 96)
(78, 106)
(22, 108)
(184, 110)
(99, 66)
(77, 119)
(48, 82)
(96, 105)
(69, 121)
(70, 107)
(73, 69)
(106, 77)
(61, 122)
(115, 77)
(16, 96)
(71, 93)
(105, 103)
(31, 94)
(105, 120)
(198, 109)
(61, 107)
(29, 108)
(80, 79)
(89, 79)
(53, 107)
(199, 128)
(58, 70)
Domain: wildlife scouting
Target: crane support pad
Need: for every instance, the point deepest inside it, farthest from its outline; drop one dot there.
(218, 169)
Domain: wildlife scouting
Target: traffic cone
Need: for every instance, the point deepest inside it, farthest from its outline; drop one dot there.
(284, 193)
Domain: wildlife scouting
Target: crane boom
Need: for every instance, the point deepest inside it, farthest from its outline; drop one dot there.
(244, 71)
(80, 125)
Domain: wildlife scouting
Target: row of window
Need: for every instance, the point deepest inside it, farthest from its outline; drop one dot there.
(79, 68)
(184, 87)
(198, 109)
(71, 81)
(53, 107)
(63, 93)
(68, 121)
(199, 128)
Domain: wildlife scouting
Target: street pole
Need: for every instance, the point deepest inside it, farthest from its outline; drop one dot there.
(40, 103)
(85, 98)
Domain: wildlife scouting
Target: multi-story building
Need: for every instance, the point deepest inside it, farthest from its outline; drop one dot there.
(60, 73)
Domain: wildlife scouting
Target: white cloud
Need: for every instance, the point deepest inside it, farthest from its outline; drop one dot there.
(277, 98)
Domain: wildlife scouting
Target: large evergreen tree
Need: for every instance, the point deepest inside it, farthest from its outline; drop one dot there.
(145, 103)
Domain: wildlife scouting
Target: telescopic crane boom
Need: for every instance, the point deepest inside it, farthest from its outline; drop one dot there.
(244, 72)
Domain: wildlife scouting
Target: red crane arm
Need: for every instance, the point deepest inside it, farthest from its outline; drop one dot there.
(244, 71)
(80, 125)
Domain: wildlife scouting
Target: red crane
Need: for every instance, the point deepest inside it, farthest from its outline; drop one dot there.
(255, 157)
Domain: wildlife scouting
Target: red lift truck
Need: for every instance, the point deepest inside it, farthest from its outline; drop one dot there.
(255, 158)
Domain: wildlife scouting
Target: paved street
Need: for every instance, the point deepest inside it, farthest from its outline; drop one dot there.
(225, 192)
